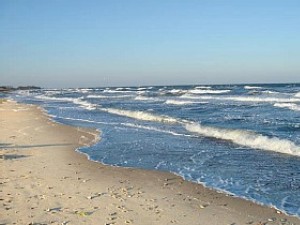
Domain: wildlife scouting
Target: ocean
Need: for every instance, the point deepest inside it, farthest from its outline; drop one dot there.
(239, 139)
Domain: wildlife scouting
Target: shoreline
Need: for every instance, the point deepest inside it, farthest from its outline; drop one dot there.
(76, 190)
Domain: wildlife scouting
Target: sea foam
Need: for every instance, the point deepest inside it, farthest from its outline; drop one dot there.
(199, 91)
(140, 115)
(252, 87)
(77, 101)
(291, 106)
(241, 98)
(241, 137)
(175, 102)
(246, 138)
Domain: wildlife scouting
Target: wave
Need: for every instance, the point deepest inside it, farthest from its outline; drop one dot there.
(122, 89)
(84, 90)
(291, 106)
(155, 129)
(199, 91)
(112, 96)
(144, 88)
(175, 102)
(97, 96)
(203, 87)
(241, 98)
(241, 137)
(117, 91)
(271, 92)
(176, 91)
(51, 98)
(143, 98)
(246, 138)
(85, 120)
(297, 95)
(85, 104)
(77, 101)
(140, 115)
(252, 87)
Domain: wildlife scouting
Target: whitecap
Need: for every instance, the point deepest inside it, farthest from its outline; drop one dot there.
(291, 106)
(252, 87)
(297, 95)
(140, 115)
(175, 102)
(241, 98)
(143, 98)
(246, 138)
(199, 91)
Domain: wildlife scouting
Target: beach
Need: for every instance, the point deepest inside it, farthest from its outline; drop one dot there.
(45, 181)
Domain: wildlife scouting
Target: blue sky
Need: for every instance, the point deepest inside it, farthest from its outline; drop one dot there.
(70, 43)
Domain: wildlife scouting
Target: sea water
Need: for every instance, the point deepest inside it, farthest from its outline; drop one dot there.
(241, 139)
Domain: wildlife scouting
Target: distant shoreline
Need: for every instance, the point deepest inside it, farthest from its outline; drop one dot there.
(33, 87)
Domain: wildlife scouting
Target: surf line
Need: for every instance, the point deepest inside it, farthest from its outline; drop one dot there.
(237, 136)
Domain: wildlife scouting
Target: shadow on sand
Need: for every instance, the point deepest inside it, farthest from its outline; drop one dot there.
(12, 156)
(10, 146)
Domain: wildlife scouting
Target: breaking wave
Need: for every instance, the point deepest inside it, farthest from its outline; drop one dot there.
(77, 101)
(97, 96)
(143, 98)
(291, 106)
(246, 138)
(271, 92)
(252, 87)
(203, 87)
(297, 95)
(85, 104)
(117, 91)
(175, 102)
(140, 115)
(112, 96)
(155, 129)
(50, 98)
(241, 98)
(199, 91)
(241, 137)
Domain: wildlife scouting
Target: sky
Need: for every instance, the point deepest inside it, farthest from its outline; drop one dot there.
(96, 43)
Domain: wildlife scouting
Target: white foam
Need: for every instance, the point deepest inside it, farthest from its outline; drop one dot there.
(113, 96)
(143, 98)
(117, 91)
(175, 102)
(84, 90)
(78, 101)
(97, 96)
(143, 88)
(140, 115)
(203, 87)
(291, 106)
(85, 120)
(199, 91)
(176, 91)
(246, 138)
(63, 99)
(155, 129)
(84, 104)
(252, 87)
(297, 95)
(270, 92)
(241, 98)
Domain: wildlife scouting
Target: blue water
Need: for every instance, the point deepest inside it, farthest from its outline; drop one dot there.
(242, 139)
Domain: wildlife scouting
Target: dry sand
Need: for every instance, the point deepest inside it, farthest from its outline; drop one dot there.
(44, 181)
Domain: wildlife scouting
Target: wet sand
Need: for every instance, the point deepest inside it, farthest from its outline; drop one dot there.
(43, 180)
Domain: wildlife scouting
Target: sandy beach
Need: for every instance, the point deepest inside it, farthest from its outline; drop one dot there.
(44, 180)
